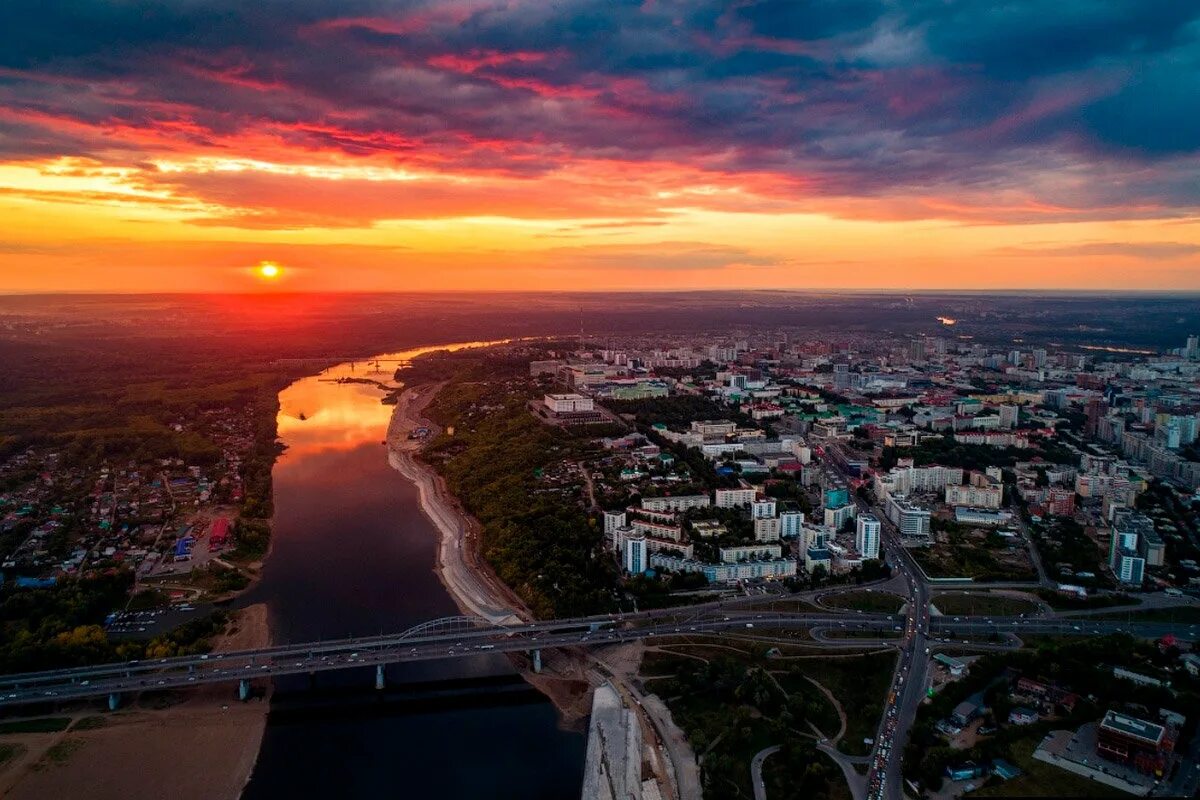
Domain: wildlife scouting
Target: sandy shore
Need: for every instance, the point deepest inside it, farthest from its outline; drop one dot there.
(568, 674)
(201, 748)
(472, 585)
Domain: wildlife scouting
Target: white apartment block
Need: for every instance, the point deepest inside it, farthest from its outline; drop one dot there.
(836, 517)
(766, 529)
(733, 498)
(975, 496)
(569, 403)
(636, 554)
(750, 552)
(762, 508)
(613, 520)
(676, 503)
(790, 523)
(910, 519)
(905, 478)
(658, 530)
(866, 538)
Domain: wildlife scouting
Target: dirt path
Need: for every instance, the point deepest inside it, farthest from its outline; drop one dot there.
(837, 706)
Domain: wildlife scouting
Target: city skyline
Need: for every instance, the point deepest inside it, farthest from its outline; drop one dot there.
(370, 146)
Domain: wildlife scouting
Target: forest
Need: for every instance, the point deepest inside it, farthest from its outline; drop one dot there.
(549, 552)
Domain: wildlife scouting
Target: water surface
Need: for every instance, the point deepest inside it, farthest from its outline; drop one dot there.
(352, 554)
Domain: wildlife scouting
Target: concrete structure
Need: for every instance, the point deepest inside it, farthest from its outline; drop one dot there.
(1125, 550)
(975, 516)
(612, 521)
(732, 498)
(762, 508)
(569, 403)
(724, 573)
(838, 516)
(749, 552)
(974, 496)
(912, 520)
(613, 766)
(866, 536)
(1135, 742)
(471, 637)
(790, 523)
(676, 503)
(767, 529)
(636, 553)
(658, 530)
(818, 556)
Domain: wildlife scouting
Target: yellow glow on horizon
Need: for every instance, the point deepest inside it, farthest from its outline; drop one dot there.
(269, 270)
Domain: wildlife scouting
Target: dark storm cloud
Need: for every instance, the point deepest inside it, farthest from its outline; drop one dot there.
(854, 98)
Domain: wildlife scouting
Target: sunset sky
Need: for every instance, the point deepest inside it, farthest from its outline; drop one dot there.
(554, 144)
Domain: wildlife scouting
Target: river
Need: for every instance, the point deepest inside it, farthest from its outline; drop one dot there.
(352, 554)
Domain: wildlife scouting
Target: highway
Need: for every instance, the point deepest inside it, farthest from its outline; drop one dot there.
(464, 637)
(908, 682)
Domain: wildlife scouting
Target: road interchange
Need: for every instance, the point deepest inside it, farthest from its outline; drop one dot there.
(466, 638)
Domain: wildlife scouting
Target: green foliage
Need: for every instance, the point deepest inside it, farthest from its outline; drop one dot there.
(883, 602)
(1065, 541)
(39, 725)
(541, 547)
(978, 603)
(147, 599)
(229, 580)
(967, 559)
(60, 626)
(9, 751)
(252, 536)
(1071, 603)
(800, 772)
(947, 452)
(677, 412)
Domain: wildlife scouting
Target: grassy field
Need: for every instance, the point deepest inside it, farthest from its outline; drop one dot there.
(837, 633)
(987, 604)
(860, 684)
(865, 600)
(725, 720)
(1061, 602)
(90, 723)
(59, 753)
(781, 782)
(789, 605)
(733, 701)
(1184, 614)
(9, 751)
(971, 561)
(42, 725)
(1044, 780)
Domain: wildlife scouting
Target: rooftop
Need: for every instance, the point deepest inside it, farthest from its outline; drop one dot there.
(1148, 732)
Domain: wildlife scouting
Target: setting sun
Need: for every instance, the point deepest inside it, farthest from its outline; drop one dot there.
(268, 270)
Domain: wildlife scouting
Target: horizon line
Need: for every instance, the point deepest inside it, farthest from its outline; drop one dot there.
(675, 291)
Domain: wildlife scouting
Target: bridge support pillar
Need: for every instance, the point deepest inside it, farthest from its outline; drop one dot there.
(537, 661)
(243, 690)
(114, 701)
(380, 679)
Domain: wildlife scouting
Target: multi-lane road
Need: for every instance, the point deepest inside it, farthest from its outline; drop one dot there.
(921, 634)
(468, 639)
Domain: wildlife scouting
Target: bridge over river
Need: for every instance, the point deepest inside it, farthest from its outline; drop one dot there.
(463, 637)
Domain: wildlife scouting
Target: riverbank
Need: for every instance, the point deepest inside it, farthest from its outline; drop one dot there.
(459, 566)
(198, 745)
(566, 678)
